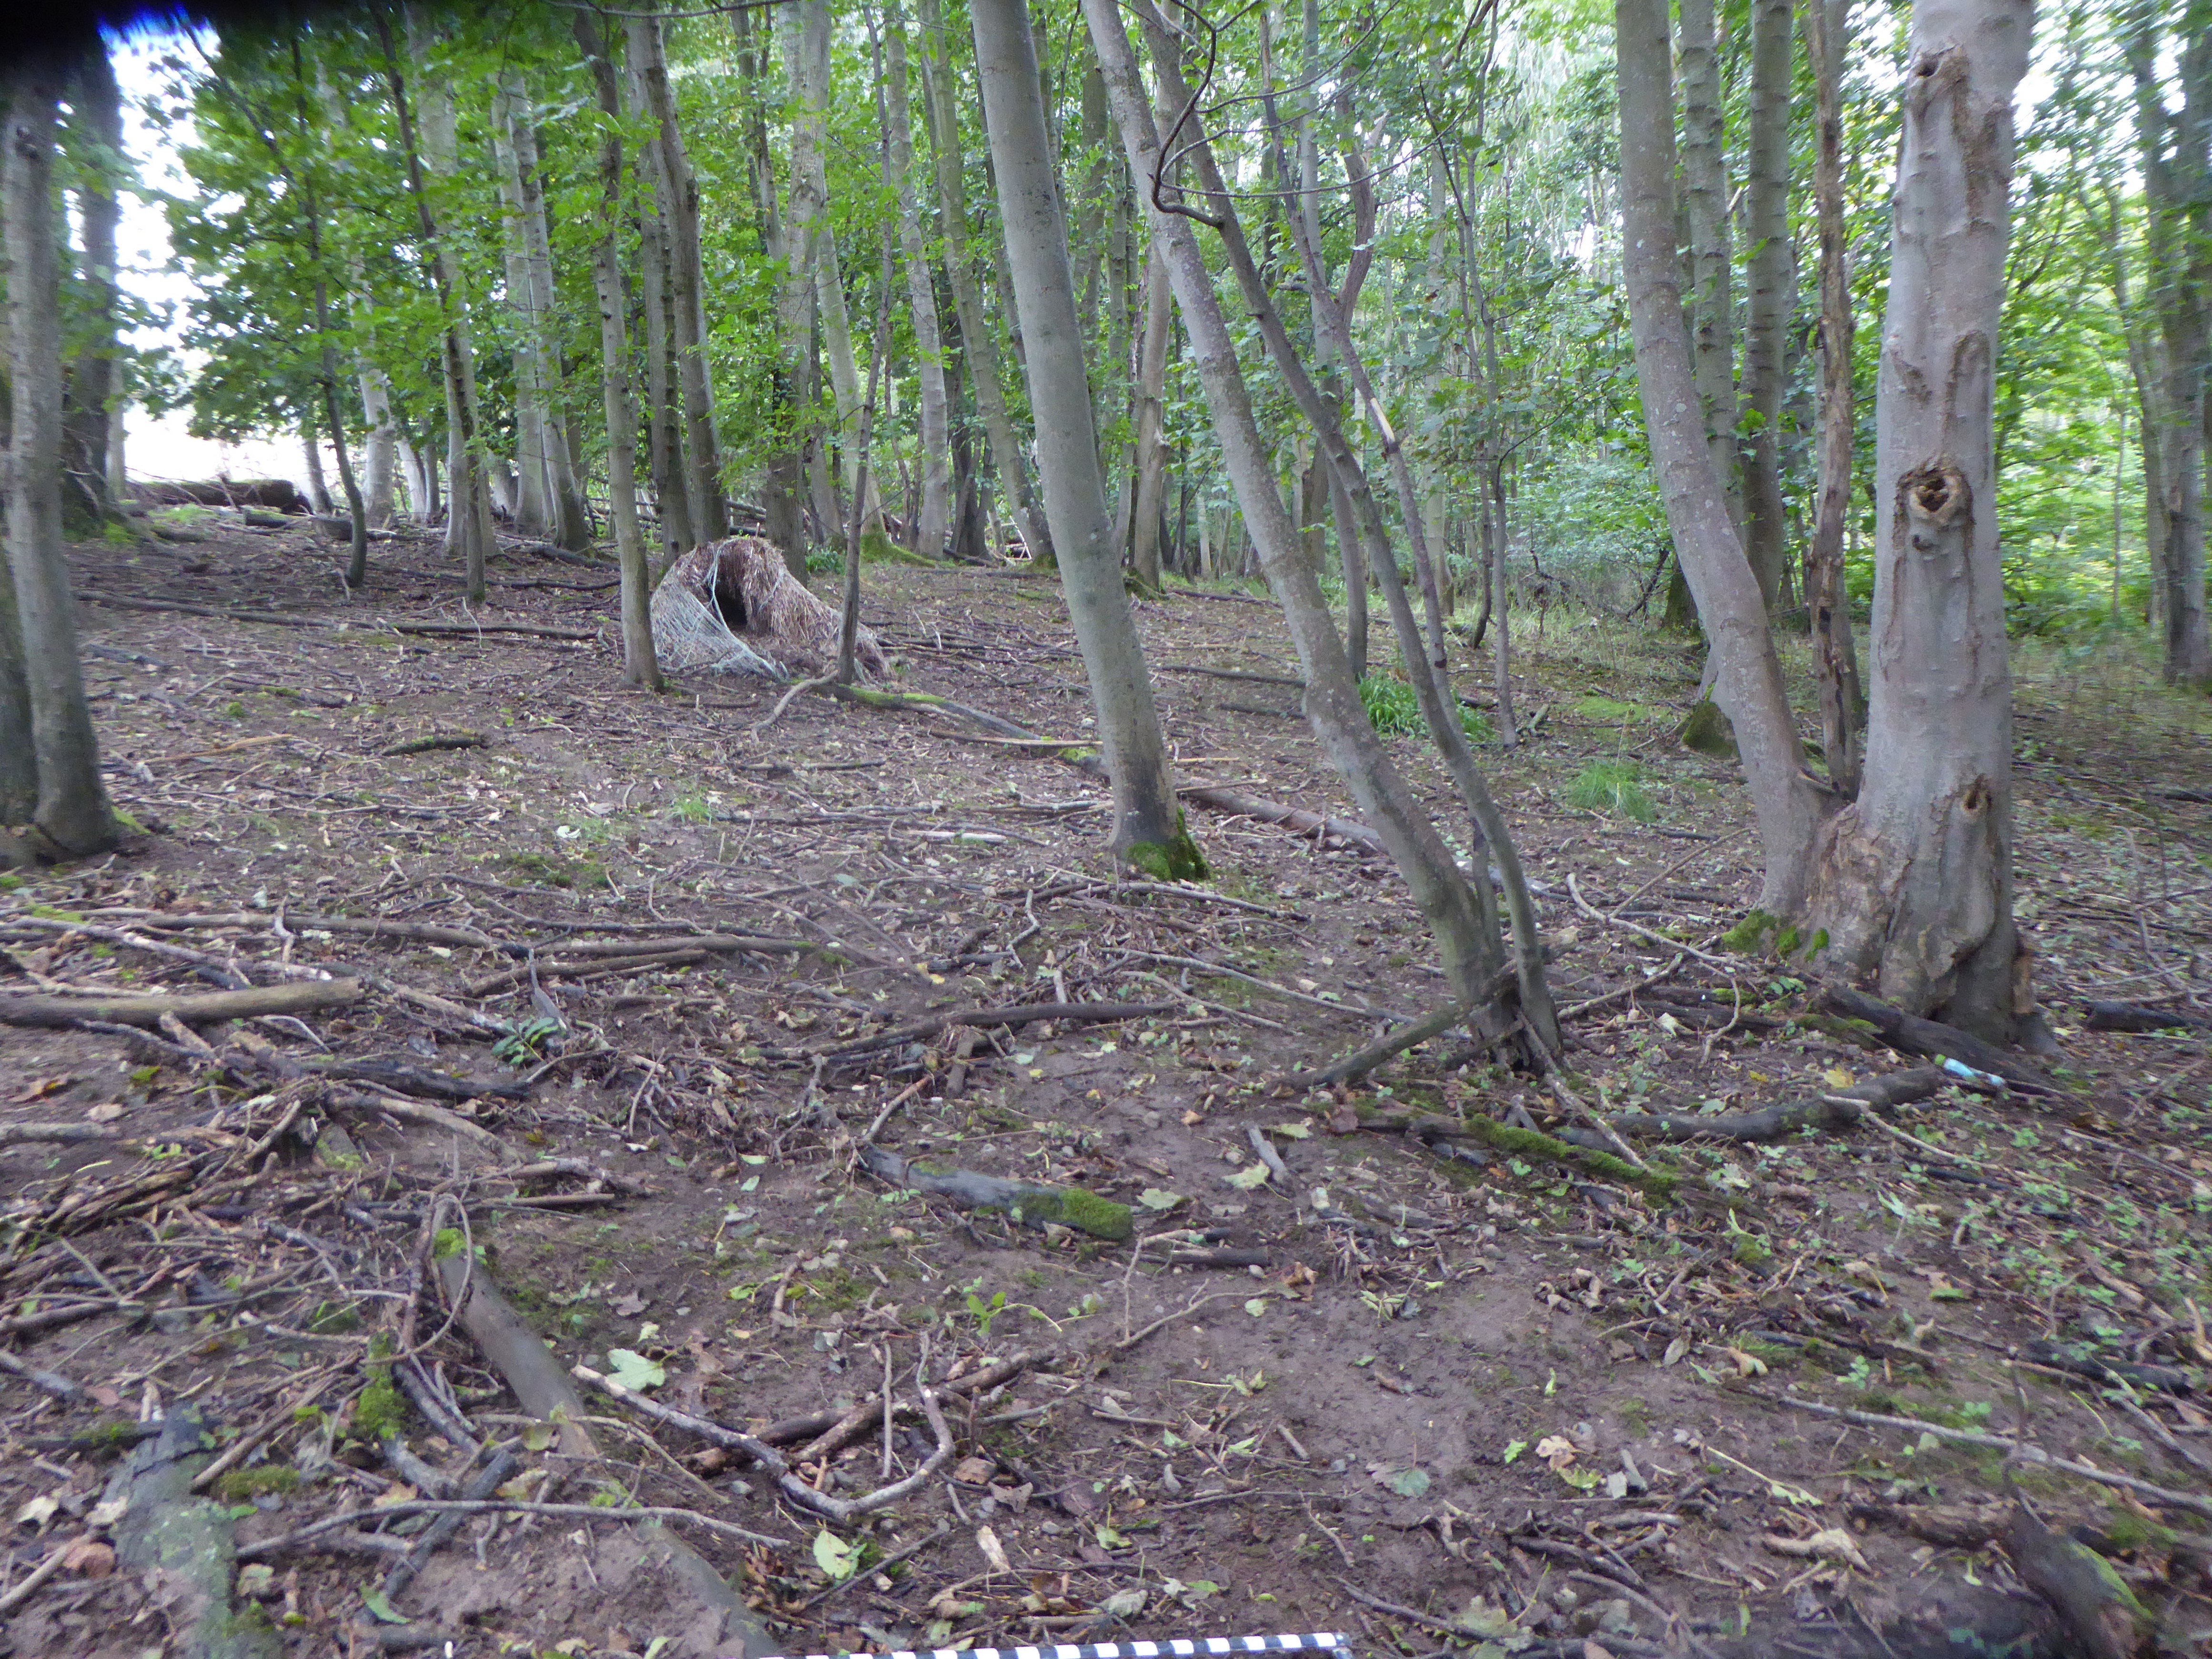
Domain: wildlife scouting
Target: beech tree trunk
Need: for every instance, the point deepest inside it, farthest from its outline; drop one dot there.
(89, 397)
(1147, 825)
(1148, 447)
(641, 666)
(1773, 287)
(702, 448)
(1712, 264)
(1787, 805)
(533, 511)
(978, 345)
(1914, 886)
(68, 816)
(1833, 655)
(933, 531)
(664, 414)
(1450, 903)
(2176, 171)
(572, 516)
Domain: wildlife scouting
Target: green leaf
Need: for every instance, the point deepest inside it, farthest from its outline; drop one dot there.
(633, 1370)
(1256, 1306)
(1158, 1198)
(837, 1557)
(380, 1609)
(1410, 1483)
(1514, 1449)
(1251, 1176)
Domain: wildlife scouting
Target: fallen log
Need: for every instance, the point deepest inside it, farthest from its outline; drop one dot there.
(206, 1009)
(1034, 1205)
(281, 494)
(1831, 1111)
(1930, 1039)
(543, 1389)
(2137, 1016)
(1525, 1143)
(182, 1545)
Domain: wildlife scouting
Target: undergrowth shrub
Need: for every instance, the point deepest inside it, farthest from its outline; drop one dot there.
(1615, 788)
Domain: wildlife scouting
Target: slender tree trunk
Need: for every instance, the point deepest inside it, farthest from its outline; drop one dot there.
(702, 448)
(1147, 825)
(933, 532)
(469, 520)
(572, 514)
(534, 513)
(1148, 448)
(1787, 805)
(1772, 284)
(848, 621)
(1914, 887)
(69, 818)
(90, 397)
(381, 452)
(19, 763)
(663, 413)
(2177, 172)
(978, 345)
(1712, 264)
(1834, 653)
(640, 665)
(311, 458)
(1466, 938)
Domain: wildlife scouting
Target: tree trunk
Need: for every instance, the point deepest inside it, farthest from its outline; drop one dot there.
(977, 343)
(469, 520)
(572, 514)
(88, 399)
(1456, 915)
(1712, 265)
(1148, 448)
(381, 450)
(1147, 825)
(702, 447)
(1787, 805)
(2177, 172)
(534, 513)
(1773, 287)
(640, 666)
(663, 413)
(1834, 656)
(1914, 888)
(69, 816)
(933, 531)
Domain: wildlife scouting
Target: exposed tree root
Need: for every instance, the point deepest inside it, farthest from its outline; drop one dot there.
(1909, 1034)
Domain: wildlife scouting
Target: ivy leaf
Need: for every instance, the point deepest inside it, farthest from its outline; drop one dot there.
(837, 1557)
(633, 1370)
(1410, 1483)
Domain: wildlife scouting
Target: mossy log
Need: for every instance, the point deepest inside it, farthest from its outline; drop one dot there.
(1027, 1201)
(1524, 1143)
(181, 1545)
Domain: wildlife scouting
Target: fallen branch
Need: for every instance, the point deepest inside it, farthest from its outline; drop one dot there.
(202, 1010)
(429, 1117)
(1523, 1143)
(2144, 1489)
(1023, 1014)
(1037, 1205)
(62, 1135)
(436, 741)
(1932, 1039)
(467, 1506)
(1840, 1110)
(1660, 939)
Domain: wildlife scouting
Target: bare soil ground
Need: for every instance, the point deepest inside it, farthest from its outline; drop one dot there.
(1420, 1392)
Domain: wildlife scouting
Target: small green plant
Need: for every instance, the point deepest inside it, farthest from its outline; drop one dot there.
(984, 1312)
(1613, 787)
(526, 1042)
(1395, 712)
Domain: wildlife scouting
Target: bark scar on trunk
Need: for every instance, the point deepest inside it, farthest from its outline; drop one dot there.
(1937, 495)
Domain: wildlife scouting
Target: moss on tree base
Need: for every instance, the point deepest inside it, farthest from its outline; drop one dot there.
(1178, 860)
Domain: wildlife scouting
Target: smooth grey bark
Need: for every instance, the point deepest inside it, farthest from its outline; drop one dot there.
(933, 531)
(380, 452)
(2176, 156)
(1148, 444)
(1787, 803)
(702, 447)
(1914, 882)
(1340, 722)
(849, 620)
(534, 513)
(89, 396)
(664, 415)
(1145, 817)
(1712, 264)
(788, 238)
(469, 530)
(1834, 656)
(19, 767)
(70, 815)
(572, 514)
(1772, 281)
(641, 666)
(979, 346)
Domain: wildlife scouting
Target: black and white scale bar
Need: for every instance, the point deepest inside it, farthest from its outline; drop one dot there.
(1200, 1647)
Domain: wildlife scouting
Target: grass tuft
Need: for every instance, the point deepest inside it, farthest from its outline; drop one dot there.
(1613, 787)
(1395, 711)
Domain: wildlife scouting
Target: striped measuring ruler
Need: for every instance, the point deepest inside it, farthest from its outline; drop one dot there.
(1196, 1647)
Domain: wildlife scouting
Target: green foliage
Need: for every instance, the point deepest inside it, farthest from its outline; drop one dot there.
(1395, 710)
(1613, 787)
(525, 1044)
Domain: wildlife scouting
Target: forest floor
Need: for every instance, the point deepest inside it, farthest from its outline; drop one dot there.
(1417, 1392)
